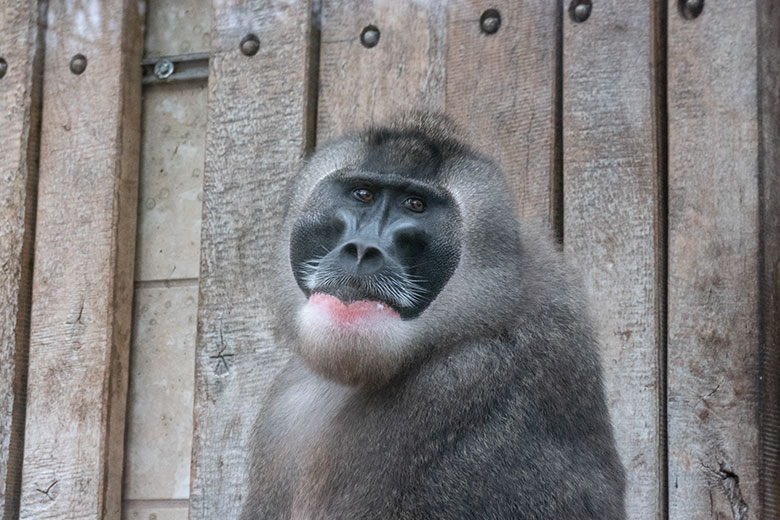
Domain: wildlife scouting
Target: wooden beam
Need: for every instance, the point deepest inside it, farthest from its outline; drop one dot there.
(501, 88)
(257, 133)
(612, 225)
(20, 85)
(723, 261)
(360, 85)
(768, 15)
(83, 273)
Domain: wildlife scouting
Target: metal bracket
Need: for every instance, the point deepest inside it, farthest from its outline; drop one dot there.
(167, 69)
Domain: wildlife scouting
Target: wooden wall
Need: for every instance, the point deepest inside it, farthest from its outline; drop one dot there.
(644, 134)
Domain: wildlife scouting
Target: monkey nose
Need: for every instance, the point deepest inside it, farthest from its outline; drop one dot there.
(361, 258)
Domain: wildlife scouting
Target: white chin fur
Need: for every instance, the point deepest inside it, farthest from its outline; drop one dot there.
(367, 354)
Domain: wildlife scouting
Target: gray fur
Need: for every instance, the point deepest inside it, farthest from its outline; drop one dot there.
(493, 409)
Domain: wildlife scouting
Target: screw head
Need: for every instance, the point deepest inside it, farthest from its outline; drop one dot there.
(163, 69)
(490, 21)
(250, 44)
(579, 10)
(78, 64)
(3, 67)
(690, 9)
(370, 36)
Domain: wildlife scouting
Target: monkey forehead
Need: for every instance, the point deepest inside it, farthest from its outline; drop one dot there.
(417, 146)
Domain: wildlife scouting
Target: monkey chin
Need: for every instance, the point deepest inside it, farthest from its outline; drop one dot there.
(361, 344)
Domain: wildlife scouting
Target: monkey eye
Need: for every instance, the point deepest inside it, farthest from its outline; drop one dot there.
(414, 204)
(363, 194)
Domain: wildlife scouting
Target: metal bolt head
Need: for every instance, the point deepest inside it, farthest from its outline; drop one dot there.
(250, 44)
(490, 21)
(370, 36)
(163, 69)
(78, 64)
(3, 67)
(579, 10)
(690, 9)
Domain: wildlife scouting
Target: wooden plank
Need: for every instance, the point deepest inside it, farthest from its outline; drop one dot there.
(501, 90)
(20, 52)
(256, 135)
(769, 257)
(611, 221)
(83, 274)
(720, 275)
(405, 70)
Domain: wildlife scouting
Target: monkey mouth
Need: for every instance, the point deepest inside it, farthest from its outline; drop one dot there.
(402, 292)
(348, 294)
(351, 312)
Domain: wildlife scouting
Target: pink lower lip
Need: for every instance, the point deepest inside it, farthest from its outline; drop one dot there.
(352, 312)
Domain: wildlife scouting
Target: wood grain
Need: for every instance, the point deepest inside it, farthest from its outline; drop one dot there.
(723, 263)
(501, 90)
(404, 71)
(83, 273)
(611, 224)
(256, 134)
(21, 50)
(768, 46)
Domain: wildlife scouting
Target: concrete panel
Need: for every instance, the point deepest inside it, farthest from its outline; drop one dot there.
(159, 429)
(177, 27)
(154, 512)
(171, 187)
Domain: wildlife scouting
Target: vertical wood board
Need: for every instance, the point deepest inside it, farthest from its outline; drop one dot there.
(501, 90)
(404, 71)
(716, 334)
(610, 202)
(20, 50)
(82, 287)
(255, 138)
(769, 228)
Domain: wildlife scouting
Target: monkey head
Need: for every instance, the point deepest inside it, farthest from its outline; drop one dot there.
(385, 236)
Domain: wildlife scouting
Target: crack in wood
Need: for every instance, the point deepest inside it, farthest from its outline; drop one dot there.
(222, 367)
(47, 490)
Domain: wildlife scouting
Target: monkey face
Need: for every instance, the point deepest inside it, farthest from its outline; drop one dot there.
(378, 238)
(374, 249)
(399, 241)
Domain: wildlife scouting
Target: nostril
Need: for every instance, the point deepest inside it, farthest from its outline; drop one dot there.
(350, 249)
(361, 258)
(370, 253)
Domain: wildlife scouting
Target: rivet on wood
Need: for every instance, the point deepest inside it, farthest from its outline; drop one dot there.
(3, 67)
(163, 69)
(690, 9)
(490, 21)
(370, 36)
(579, 10)
(250, 44)
(78, 64)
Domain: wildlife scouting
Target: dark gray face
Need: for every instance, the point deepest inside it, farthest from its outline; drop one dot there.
(379, 235)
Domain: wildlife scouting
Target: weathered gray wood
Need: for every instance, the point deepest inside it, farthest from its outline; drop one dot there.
(20, 50)
(255, 138)
(723, 262)
(404, 71)
(500, 89)
(83, 273)
(611, 199)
